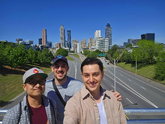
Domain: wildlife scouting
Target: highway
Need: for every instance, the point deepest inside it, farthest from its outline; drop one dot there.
(133, 88)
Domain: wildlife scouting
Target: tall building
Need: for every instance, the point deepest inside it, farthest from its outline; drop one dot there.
(83, 43)
(97, 34)
(148, 36)
(55, 45)
(108, 33)
(44, 37)
(62, 36)
(18, 40)
(40, 41)
(58, 45)
(29, 42)
(102, 44)
(49, 44)
(69, 38)
(66, 44)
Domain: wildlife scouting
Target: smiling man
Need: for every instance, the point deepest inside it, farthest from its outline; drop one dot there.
(93, 104)
(63, 87)
(35, 107)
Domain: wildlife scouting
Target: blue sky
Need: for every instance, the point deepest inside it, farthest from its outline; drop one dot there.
(128, 18)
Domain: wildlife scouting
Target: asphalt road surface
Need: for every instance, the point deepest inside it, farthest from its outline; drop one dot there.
(136, 91)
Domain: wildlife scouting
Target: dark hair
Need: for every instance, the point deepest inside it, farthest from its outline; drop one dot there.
(91, 61)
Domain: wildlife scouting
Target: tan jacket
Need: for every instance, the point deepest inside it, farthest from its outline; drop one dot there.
(82, 109)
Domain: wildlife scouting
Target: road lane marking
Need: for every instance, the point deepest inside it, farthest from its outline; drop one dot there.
(144, 82)
(129, 101)
(121, 75)
(112, 86)
(134, 92)
(143, 88)
(75, 70)
(129, 79)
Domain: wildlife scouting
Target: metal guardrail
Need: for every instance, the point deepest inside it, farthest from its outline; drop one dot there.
(131, 111)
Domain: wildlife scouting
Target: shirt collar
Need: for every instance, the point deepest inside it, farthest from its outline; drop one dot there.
(85, 92)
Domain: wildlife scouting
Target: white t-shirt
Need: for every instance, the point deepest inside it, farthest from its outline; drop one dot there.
(103, 118)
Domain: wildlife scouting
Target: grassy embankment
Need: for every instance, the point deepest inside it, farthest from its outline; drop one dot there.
(146, 71)
(76, 55)
(11, 80)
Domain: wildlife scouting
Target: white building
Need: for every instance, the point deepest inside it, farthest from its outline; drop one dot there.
(102, 44)
(29, 42)
(97, 34)
(78, 47)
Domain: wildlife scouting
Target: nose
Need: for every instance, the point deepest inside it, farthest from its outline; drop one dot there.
(60, 68)
(38, 84)
(91, 78)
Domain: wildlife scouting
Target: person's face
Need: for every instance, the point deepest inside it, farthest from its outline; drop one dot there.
(92, 77)
(60, 69)
(35, 86)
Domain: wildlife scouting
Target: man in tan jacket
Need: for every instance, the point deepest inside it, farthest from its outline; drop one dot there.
(93, 104)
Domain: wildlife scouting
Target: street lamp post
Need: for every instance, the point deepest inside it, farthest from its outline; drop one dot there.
(114, 75)
(136, 64)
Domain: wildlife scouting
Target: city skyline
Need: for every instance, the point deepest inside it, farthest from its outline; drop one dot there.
(129, 19)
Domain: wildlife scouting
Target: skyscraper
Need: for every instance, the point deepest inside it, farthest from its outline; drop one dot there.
(62, 36)
(69, 38)
(97, 34)
(148, 36)
(18, 40)
(108, 33)
(44, 37)
(40, 41)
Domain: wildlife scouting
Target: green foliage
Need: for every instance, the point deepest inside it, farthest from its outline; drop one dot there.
(129, 45)
(160, 66)
(94, 54)
(112, 50)
(116, 54)
(21, 55)
(126, 57)
(31, 55)
(2, 57)
(146, 51)
(86, 53)
(62, 52)
(45, 57)
(71, 51)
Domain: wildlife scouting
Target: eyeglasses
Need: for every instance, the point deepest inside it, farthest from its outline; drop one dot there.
(35, 82)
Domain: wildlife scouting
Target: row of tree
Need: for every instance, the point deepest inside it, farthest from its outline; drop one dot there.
(15, 56)
(94, 54)
(148, 52)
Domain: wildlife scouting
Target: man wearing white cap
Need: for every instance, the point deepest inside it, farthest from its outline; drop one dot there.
(35, 107)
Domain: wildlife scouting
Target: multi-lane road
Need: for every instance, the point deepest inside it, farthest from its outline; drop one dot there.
(136, 91)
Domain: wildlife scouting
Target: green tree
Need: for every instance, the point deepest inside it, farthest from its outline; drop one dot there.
(87, 53)
(2, 57)
(129, 45)
(10, 60)
(45, 57)
(21, 55)
(116, 54)
(31, 55)
(146, 51)
(112, 50)
(40, 58)
(160, 66)
(62, 52)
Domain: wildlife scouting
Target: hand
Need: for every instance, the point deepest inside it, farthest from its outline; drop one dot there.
(117, 95)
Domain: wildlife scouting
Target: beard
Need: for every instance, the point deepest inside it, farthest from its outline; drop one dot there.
(60, 79)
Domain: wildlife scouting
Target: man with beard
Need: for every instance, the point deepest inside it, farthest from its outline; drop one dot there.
(63, 85)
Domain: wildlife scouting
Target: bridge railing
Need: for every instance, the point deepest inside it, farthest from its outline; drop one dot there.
(131, 111)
